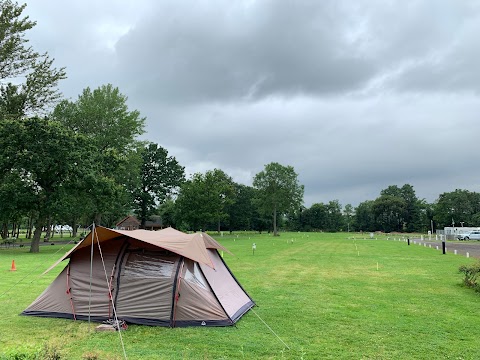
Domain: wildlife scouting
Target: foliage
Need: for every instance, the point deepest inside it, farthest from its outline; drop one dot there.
(241, 211)
(103, 117)
(159, 177)
(205, 198)
(279, 191)
(457, 208)
(348, 212)
(364, 217)
(18, 61)
(471, 274)
(41, 170)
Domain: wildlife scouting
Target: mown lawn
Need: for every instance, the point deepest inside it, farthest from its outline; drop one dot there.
(327, 296)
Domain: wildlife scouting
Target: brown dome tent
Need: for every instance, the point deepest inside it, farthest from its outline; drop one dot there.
(162, 278)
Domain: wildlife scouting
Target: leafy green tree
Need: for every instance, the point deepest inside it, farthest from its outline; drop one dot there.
(205, 199)
(168, 213)
(241, 211)
(279, 191)
(365, 217)
(103, 117)
(316, 217)
(334, 216)
(37, 89)
(348, 213)
(389, 211)
(44, 168)
(15, 198)
(456, 207)
(159, 177)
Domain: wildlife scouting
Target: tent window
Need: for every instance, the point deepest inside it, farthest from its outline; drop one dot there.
(147, 266)
(193, 275)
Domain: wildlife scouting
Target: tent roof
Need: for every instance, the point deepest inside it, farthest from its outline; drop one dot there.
(192, 246)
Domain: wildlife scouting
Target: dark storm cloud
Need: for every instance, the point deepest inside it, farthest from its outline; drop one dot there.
(205, 52)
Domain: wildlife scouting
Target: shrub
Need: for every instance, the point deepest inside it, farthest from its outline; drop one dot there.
(471, 272)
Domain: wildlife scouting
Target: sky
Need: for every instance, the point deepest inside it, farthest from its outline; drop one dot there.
(355, 95)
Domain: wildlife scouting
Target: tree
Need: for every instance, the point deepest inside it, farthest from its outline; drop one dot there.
(364, 216)
(456, 207)
(160, 175)
(388, 211)
(103, 117)
(168, 213)
(241, 211)
(279, 190)
(348, 213)
(316, 217)
(46, 168)
(37, 88)
(204, 199)
(334, 216)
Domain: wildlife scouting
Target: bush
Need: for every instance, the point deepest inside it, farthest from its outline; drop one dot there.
(471, 272)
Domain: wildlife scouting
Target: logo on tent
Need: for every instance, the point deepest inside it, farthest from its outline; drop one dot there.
(203, 323)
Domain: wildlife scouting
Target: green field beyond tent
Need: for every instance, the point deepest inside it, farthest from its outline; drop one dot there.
(326, 296)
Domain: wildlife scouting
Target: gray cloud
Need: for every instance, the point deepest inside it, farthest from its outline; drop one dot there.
(355, 95)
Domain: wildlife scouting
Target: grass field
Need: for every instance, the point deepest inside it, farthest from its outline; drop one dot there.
(326, 296)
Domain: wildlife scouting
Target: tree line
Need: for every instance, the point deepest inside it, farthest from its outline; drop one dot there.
(79, 162)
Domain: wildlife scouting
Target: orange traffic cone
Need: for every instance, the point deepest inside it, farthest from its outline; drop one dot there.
(13, 268)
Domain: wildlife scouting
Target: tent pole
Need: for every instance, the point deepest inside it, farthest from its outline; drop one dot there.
(91, 272)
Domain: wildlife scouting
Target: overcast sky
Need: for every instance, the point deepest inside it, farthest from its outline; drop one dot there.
(355, 95)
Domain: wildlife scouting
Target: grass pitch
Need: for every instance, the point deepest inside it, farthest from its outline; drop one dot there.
(326, 296)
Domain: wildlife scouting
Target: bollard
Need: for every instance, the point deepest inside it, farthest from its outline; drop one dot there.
(455, 252)
(408, 241)
(468, 255)
(444, 249)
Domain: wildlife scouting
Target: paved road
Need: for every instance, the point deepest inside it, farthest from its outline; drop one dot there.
(472, 248)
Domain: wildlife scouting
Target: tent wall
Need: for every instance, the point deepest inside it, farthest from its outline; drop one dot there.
(95, 302)
(228, 291)
(53, 302)
(196, 303)
(145, 287)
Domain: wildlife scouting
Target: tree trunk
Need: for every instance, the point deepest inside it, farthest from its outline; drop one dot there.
(275, 233)
(48, 235)
(35, 244)
(218, 228)
(98, 219)
(4, 232)
(74, 227)
(29, 227)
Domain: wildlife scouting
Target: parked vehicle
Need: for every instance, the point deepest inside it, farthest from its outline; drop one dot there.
(472, 235)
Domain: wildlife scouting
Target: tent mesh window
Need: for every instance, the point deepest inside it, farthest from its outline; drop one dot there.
(149, 266)
(194, 276)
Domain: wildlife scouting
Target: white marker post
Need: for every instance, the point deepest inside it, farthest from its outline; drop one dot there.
(254, 246)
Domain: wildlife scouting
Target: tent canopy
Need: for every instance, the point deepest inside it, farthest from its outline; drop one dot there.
(192, 246)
